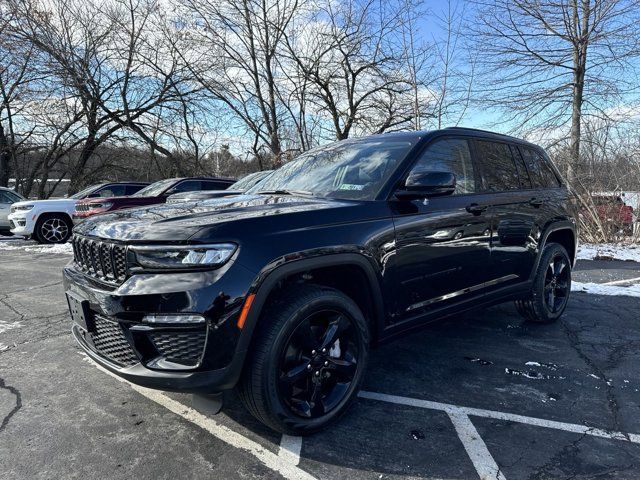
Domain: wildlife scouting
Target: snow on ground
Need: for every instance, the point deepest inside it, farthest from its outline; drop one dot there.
(609, 251)
(57, 249)
(600, 289)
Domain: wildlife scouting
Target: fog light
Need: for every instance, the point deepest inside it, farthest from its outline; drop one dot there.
(174, 319)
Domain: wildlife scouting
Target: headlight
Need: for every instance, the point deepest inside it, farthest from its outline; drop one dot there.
(179, 256)
(21, 208)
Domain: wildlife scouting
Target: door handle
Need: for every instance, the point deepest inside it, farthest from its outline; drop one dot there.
(536, 202)
(476, 209)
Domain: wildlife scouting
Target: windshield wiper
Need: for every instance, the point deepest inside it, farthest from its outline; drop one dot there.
(284, 192)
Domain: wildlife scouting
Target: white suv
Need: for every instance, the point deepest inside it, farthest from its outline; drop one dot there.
(49, 221)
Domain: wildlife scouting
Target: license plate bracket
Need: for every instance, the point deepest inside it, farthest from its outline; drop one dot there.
(80, 312)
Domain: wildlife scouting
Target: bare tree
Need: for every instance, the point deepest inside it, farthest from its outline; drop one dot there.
(550, 62)
(351, 53)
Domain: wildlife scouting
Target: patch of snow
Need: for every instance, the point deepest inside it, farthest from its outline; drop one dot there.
(599, 289)
(55, 249)
(6, 326)
(594, 376)
(609, 251)
(533, 364)
(4, 347)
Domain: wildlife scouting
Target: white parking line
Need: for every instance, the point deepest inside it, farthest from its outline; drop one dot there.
(477, 450)
(511, 417)
(281, 464)
(622, 282)
(290, 449)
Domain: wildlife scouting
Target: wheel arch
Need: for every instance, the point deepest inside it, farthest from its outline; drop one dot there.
(563, 233)
(344, 271)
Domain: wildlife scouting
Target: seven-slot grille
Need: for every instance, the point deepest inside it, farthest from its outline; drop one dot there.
(102, 260)
(82, 207)
(111, 343)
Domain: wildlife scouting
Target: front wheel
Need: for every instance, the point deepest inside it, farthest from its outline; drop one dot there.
(551, 287)
(308, 360)
(53, 228)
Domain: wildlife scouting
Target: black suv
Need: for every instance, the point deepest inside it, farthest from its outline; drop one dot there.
(281, 292)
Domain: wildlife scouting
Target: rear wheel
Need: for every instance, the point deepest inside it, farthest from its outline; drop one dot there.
(551, 287)
(307, 361)
(53, 228)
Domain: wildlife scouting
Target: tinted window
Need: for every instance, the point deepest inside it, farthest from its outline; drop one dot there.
(541, 174)
(214, 185)
(449, 155)
(497, 167)
(131, 189)
(111, 191)
(187, 186)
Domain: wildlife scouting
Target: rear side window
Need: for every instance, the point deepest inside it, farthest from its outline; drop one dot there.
(539, 170)
(497, 166)
(5, 198)
(449, 155)
(208, 185)
(111, 191)
(187, 186)
(131, 189)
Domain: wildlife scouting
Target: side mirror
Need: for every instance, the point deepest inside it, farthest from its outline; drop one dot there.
(427, 184)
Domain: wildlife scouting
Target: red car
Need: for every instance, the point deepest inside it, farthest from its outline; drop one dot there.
(612, 211)
(153, 194)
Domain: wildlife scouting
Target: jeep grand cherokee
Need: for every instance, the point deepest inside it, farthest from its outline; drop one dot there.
(281, 292)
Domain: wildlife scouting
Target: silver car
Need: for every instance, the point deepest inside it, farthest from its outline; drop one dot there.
(7, 197)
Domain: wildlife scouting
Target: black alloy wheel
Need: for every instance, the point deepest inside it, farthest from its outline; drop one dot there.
(318, 364)
(556, 283)
(307, 359)
(551, 287)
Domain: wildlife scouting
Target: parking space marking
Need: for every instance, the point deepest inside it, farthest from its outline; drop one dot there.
(511, 417)
(290, 448)
(622, 282)
(477, 450)
(277, 463)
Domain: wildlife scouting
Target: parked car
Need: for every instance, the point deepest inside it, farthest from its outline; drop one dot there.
(7, 197)
(613, 213)
(155, 193)
(50, 221)
(237, 188)
(282, 291)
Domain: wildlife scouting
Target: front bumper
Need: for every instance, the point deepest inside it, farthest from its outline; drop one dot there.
(203, 358)
(21, 224)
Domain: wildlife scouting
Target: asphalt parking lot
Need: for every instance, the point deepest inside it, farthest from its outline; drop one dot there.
(485, 395)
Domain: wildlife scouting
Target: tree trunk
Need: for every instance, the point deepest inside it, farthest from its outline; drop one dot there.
(4, 158)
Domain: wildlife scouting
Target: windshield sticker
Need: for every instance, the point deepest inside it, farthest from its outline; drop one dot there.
(350, 186)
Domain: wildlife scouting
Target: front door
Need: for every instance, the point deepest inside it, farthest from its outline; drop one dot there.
(442, 243)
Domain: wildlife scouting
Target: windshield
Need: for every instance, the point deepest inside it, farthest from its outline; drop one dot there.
(83, 193)
(155, 189)
(351, 169)
(249, 181)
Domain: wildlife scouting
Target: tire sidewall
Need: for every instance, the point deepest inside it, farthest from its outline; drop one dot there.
(276, 406)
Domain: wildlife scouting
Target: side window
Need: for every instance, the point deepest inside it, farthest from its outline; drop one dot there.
(131, 189)
(187, 186)
(525, 181)
(449, 155)
(497, 167)
(111, 191)
(541, 174)
(214, 185)
(5, 198)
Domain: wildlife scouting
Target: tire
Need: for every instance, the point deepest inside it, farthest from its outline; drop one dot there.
(286, 338)
(549, 297)
(52, 228)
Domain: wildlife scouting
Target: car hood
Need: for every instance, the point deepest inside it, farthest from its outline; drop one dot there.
(59, 202)
(179, 222)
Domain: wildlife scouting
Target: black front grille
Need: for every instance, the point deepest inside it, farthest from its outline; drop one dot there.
(82, 208)
(102, 260)
(110, 342)
(184, 348)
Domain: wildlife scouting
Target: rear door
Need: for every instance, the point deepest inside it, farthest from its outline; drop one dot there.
(5, 207)
(442, 243)
(513, 210)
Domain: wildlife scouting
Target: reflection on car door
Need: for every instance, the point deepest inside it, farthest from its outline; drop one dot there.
(514, 210)
(442, 243)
